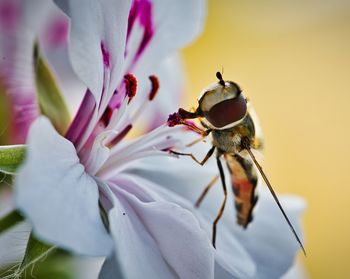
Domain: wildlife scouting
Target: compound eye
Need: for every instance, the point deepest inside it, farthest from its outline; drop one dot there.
(227, 111)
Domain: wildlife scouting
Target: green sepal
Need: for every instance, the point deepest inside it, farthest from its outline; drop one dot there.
(9, 220)
(50, 100)
(11, 156)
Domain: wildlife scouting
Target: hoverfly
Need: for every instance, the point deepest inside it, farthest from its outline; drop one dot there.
(228, 117)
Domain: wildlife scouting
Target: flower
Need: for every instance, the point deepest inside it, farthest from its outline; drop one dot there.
(67, 183)
(96, 194)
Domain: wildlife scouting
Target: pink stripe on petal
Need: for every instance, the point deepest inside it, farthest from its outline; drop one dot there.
(146, 22)
(141, 12)
(105, 55)
(82, 119)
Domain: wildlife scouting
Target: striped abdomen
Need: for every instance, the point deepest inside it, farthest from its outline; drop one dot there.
(243, 181)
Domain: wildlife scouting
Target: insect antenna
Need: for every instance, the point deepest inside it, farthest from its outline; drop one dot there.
(247, 147)
(221, 80)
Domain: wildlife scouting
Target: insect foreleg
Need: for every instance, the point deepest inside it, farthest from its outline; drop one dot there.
(210, 152)
(206, 133)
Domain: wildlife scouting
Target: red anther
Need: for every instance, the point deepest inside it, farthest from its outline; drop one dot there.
(130, 85)
(174, 119)
(155, 87)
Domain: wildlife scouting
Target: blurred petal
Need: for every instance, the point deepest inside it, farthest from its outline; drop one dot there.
(297, 271)
(165, 26)
(268, 239)
(57, 196)
(110, 269)
(13, 244)
(20, 22)
(168, 236)
(54, 49)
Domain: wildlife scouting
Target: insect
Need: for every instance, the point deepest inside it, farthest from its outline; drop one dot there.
(229, 118)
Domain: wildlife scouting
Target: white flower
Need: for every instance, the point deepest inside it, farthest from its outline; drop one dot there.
(66, 182)
(151, 229)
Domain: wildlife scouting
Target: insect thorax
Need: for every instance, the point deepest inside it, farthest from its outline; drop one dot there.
(229, 140)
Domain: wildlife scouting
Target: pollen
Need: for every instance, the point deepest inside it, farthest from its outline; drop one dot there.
(155, 87)
(130, 86)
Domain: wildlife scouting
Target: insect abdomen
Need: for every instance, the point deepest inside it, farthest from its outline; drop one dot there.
(243, 181)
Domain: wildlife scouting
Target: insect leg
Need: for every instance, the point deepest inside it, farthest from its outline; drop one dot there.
(210, 152)
(195, 141)
(204, 135)
(221, 211)
(205, 191)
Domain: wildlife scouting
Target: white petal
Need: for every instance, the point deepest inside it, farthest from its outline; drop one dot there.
(57, 196)
(111, 269)
(231, 257)
(99, 152)
(148, 145)
(164, 239)
(96, 47)
(97, 40)
(268, 234)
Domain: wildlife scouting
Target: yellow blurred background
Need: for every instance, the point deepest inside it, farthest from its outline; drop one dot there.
(292, 59)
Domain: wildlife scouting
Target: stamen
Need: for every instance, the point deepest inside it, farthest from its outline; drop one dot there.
(155, 87)
(130, 86)
(152, 94)
(120, 136)
(106, 117)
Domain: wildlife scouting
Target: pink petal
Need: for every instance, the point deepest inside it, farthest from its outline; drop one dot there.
(20, 22)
